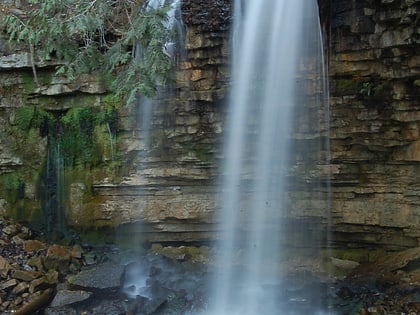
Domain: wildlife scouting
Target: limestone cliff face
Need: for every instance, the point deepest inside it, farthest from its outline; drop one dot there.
(168, 182)
(170, 185)
(374, 71)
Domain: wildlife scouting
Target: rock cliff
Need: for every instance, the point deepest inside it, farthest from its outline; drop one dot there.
(374, 73)
(169, 186)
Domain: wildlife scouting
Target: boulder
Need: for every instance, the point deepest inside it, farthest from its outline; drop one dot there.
(34, 245)
(4, 267)
(104, 277)
(36, 302)
(67, 297)
(58, 258)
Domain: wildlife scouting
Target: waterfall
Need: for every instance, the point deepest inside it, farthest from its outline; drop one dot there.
(277, 100)
(173, 22)
(53, 191)
(135, 277)
(172, 48)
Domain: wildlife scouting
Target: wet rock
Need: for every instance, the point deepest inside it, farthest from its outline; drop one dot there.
(39, 284)
(26, 275)
(77, 252)
(36, 262)
(34, 245)
(17, 240)
(61, 311)
(345, 293)
(25, 285)
(4, 267)
(10, 230)
(109, 306)
(102, 277)
(67, 297)
(90, 259)
(36, 302)
(151, 306)
(159, 285)
(20, 288)
(8, 285)
(343, 264)
(25, 233)
(388, 262)
(58, 258)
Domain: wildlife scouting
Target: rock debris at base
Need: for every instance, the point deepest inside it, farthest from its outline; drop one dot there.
(37, 277)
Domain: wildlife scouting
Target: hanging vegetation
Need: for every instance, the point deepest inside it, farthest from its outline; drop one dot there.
(103, 35)
(82, 133)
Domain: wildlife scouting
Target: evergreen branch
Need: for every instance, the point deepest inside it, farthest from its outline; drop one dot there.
(99, 34)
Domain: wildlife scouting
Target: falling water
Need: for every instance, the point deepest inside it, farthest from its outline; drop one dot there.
(171, 48)
(276, 82)
(173, 22)
(136, 275)
(53, 186)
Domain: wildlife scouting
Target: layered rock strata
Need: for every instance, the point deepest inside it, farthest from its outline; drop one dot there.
(169, 183)
(374, 71)
(170, 188)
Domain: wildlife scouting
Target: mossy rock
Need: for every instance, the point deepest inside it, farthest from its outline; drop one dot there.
(347, 86)
(354, 254)
(96, 236)
(201, 151)
(193, 254)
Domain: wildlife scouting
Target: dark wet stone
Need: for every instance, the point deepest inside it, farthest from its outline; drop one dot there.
(108, 307)
(60, 311)
(36, 302)
(345, 293)
(26, 275)
(90, 259)
(58, 258)
(66, 297)
(106, 276)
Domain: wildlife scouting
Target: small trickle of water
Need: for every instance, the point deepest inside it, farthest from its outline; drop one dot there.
(172, 49)
(173, 23)
(277, 80)
(135, 281)
(53, 191)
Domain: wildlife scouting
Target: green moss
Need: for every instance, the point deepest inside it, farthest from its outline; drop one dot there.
(84, 138)
(45, 78)
(111, 100)
(31, 117)
(98, 236)
(367, 88)
(28, 83)
(88, 135)
(347, 86)
(201, 151)
(13, 187)
(24, 117)
(19, 207)
(374, 90)
(360, 255)
(192, 253)
(29, 211)
(84, 134)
